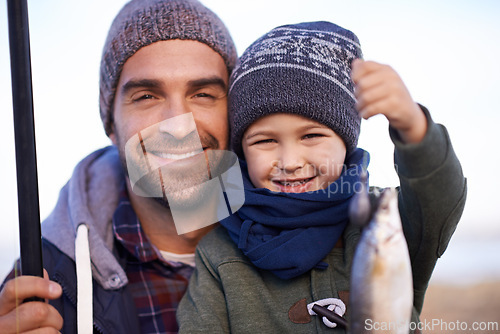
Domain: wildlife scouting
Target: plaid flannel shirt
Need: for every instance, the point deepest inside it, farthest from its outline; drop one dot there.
(157, 286)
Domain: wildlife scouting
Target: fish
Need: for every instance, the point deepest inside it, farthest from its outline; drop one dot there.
(381, 293)
(360, 207)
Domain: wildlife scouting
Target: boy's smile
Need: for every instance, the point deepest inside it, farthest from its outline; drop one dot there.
(291, 153)
(294, 185)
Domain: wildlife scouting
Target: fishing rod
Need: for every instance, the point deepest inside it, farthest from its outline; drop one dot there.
(24, 128)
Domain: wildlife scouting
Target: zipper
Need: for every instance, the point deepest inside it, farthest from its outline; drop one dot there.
(97, 328)
(70, 296)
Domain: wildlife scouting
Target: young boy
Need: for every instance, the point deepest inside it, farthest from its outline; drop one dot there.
(295, 111)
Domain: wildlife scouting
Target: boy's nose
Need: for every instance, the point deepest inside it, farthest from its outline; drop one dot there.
(291, 160)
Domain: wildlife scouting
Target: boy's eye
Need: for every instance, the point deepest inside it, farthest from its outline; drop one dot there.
(313, 135)
(264, 141)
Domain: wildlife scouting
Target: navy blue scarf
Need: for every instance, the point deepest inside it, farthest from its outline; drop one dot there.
(289, 233)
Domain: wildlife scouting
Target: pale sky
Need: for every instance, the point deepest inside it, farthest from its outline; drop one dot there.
(445, 51)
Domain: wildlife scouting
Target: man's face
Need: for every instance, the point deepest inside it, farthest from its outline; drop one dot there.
(161, 81)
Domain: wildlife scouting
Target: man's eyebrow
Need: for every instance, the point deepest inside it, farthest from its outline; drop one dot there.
(212, 81)
(141, 83)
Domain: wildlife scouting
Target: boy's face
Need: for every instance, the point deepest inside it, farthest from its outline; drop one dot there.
(291, 153)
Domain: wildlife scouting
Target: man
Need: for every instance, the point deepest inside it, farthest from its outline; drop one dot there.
(162, 59)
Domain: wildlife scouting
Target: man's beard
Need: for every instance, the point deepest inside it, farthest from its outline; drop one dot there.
(172, 185)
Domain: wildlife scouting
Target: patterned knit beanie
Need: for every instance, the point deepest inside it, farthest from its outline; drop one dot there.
(301, 69)
(143, 22)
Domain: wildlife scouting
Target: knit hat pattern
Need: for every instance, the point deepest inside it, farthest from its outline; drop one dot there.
(144, 22)
(301, 69)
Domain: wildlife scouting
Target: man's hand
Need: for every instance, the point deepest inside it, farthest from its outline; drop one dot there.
(380, 90)
(36, 317)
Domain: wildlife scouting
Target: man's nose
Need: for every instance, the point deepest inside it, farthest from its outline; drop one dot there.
(178, 121)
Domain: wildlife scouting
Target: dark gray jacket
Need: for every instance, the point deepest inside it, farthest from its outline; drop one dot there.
(227, 294)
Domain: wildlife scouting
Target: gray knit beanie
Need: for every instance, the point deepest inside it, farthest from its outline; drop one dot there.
(143, 22)
(301, 69)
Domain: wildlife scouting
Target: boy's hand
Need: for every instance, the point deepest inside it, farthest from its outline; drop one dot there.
(32, 317)
(380, 90)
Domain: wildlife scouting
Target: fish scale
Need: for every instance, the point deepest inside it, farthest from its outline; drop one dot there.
(381, 295)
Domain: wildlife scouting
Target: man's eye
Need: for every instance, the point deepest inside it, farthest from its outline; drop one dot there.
(144, 97)
(204, 95)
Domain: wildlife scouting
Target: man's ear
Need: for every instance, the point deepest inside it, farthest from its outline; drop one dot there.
(112, 135)
(113, 138)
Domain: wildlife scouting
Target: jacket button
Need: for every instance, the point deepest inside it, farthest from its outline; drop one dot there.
(114, 281)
